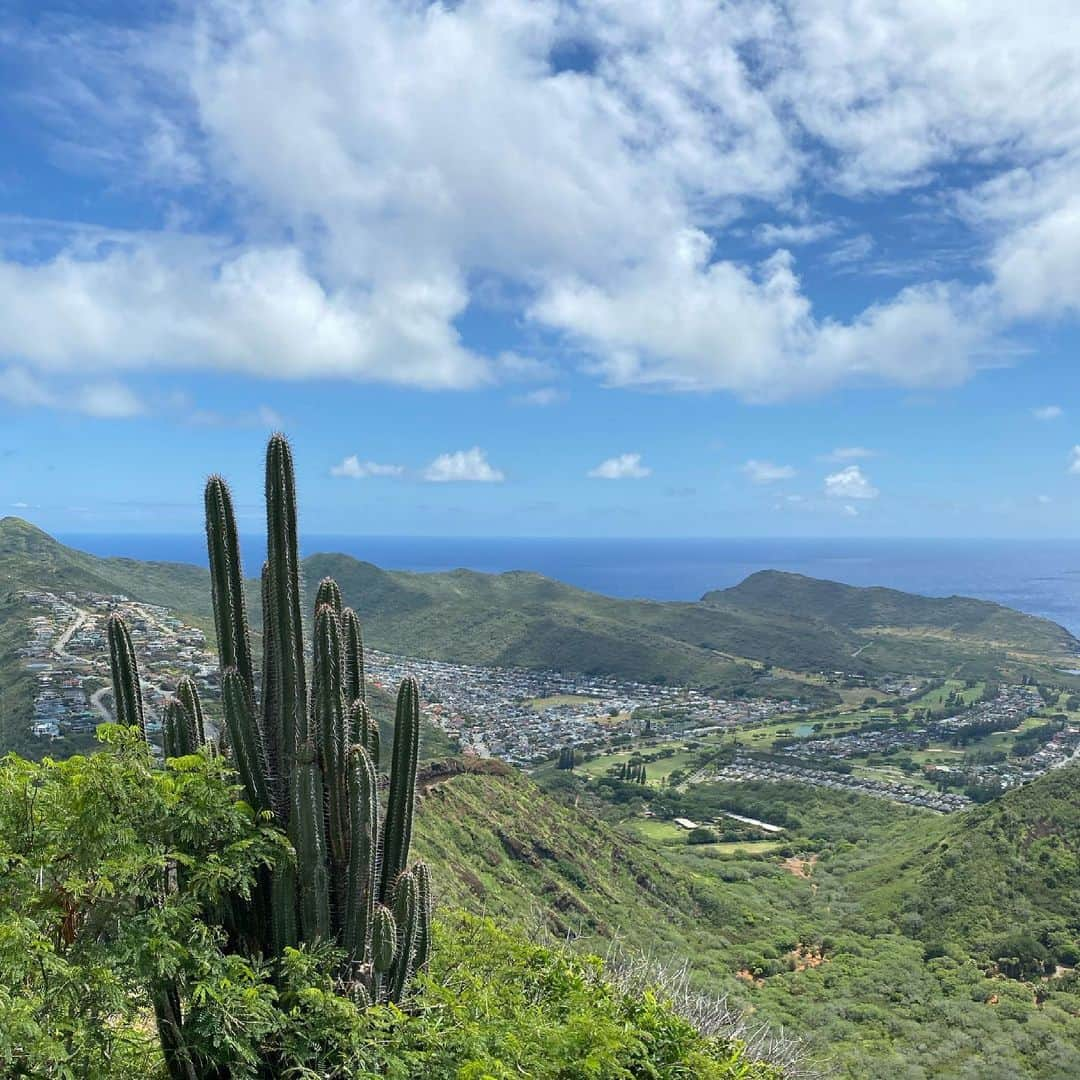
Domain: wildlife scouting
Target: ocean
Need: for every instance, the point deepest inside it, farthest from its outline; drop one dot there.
(1038, 576)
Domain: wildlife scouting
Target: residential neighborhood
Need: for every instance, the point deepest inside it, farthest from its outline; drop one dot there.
(67, 653)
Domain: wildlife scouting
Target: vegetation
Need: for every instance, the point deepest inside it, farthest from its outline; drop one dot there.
(89, 929)
(307, 761)
(284, 933)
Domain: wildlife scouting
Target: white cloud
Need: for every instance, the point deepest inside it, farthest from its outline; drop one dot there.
(793, 234)
(688, 323)
(766, 472)
(1074, 460)
(108, 401)
(19, 387)
(462, 465)
(850, 483)
(458, 166)
(105, 400)
(544, 395)
(622, 467)
(184, 304)
(356, 469)
(849, 453)
(1047, 412)
(850, 252)
(515, 366)
(850, 511)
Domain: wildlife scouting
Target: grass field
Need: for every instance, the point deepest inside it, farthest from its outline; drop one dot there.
(667, 832)
(656, 771)
(541, 703)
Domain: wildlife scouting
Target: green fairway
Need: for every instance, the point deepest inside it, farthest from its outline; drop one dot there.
(667, 832)
(541, 703)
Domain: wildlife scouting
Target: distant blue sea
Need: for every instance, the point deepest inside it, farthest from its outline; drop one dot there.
(1041, 577)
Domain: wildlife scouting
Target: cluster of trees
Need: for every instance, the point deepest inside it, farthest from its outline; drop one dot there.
(566, 758)
(630, 773)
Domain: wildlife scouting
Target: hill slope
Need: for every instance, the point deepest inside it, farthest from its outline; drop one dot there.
(774, 592)
(30, 557)
(826, 946)
(772, 618)
(1011, 865)
(527, 620)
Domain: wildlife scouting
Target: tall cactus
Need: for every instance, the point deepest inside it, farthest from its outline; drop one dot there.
(307, 754)
(127, 689)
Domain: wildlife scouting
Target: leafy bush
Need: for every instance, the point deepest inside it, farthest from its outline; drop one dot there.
(91, 923)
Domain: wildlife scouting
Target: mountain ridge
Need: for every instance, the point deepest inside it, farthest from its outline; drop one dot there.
(729, 641)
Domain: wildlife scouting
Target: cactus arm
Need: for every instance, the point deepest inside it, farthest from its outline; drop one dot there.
(284, 601)
(330, 727)
(405, 915)
(363, 794)
(308, 832)
(328, 593)
(187, 694)
(284, 929)
(364, 730)
(227, 582)
(353, 643)
(245, 739)
(397, 829)
(172, 723)
(270, 707)
(423, 918)
(384, 939)
(127, 689)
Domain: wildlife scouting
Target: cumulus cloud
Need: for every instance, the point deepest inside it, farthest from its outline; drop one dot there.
(356, 469)
(622, 467)
(461, 466)
(107, 400)
(461, 165)
(1074, 460)
(261, 311)
(767, 472)
(104, 400)
(850, 483)
(1047, 412)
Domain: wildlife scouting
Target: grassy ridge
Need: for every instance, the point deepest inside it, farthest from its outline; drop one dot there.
(524, 619)
(828, 945)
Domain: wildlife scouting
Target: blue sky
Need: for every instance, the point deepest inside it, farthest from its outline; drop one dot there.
(525, 267)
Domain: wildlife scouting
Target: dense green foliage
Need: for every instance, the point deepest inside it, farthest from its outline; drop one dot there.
(1012, 865)
(90, 925)
(824, 931)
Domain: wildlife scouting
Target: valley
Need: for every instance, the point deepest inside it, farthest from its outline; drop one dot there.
(806, 831)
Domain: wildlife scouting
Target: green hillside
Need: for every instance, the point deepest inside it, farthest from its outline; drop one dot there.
(773, 592)
(826, 944)
(528, 620)
(1012, 864)
(726, 642)
(30, 557)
